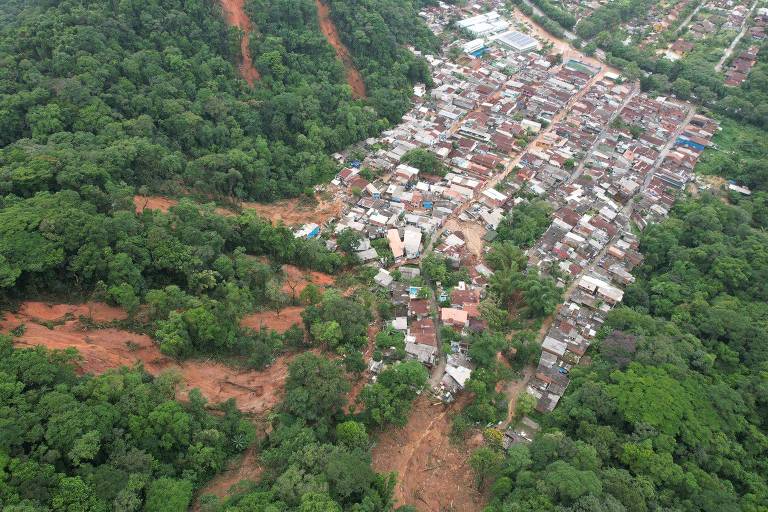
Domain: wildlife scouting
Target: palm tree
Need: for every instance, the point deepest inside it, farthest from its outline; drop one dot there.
(506, 283)
(541, 296)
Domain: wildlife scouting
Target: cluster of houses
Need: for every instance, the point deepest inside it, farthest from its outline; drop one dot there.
(634, 171)
(608, 155)
(679, 49)
(479, 116)
(735, 16)
(757, 30)
(462, 314)
(552, 159)
(675, 171)
(659, 18)
(420, 320)
(582, 8)
(717, 16)
(414, 315)
(705, 25)
(577, 321)
(725, 15)
(740, 67)
(713, 17)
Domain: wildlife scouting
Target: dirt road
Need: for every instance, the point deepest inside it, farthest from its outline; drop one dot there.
(234, 13)
(327, 27)
(732, 46)
(512, 390)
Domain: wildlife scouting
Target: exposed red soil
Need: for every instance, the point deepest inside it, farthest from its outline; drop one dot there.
(352, 406)
(272, 320)
(104, 349)
(297, 279)
(96, 311)
(327, 27)
(224, 212)
(244, 468)
(153, 203)
(292, 212)
(234, 13)
(472, 232)
(513, 389)
(433, 474)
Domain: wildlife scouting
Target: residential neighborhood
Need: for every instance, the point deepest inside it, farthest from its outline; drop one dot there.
(384, 255)
(507, 123)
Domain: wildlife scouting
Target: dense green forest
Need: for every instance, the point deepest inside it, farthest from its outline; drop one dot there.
(197, 272)
(550, 25)
(147, 93)
(114, 442)
(556, 13)
(740, 155)
(672, 412)
(100, 100)
(120, 441)
(376, 32)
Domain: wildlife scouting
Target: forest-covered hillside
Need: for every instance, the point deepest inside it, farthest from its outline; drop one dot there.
(100, 100)
(114, 442)
(147, 92)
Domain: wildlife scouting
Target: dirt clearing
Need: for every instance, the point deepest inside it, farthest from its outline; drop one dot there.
(432, 473)
(104, 349)
(472, 232)
(354, 79)
(234, 13)
(512, 390)
(279, 322)
(297, 279)
(96, 311)
(292, 212)
(246, 467)
(153, 203)
(164, 204)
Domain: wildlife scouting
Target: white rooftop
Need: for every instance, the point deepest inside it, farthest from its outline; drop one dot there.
(517, 40)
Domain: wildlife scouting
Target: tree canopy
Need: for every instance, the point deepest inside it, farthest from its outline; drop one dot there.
(148, 93)
(112, 442)
(671, 414)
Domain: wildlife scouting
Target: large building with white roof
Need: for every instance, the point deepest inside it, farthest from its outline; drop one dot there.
(484, 24)
(517, 41)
